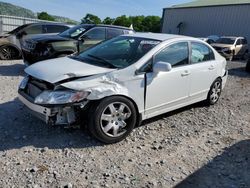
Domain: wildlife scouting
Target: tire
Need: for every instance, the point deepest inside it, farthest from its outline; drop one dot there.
(214, 92)
(8, 52)
(112, 119)
(248, 66)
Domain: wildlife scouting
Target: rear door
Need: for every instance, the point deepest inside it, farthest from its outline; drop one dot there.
(202, 70)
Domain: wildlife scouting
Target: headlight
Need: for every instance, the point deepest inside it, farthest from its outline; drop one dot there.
(60, 97)
(226, 50)
(24, 82)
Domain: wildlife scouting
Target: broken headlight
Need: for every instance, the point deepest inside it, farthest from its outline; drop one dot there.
(61, 97)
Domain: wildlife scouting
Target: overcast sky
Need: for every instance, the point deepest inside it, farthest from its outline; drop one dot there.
(76, 9)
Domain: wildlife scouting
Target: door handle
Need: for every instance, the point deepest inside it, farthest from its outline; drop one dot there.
(185, 73)
(211, 67)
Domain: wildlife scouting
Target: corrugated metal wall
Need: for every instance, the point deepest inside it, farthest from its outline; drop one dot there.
(8, 23)
(204, 21)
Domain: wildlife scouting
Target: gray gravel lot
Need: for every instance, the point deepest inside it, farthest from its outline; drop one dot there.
(197, 146)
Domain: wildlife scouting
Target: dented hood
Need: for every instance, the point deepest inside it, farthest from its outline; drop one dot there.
(56, 70)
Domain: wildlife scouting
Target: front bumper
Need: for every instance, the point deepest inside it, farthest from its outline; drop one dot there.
(31, 56)
(61, 115)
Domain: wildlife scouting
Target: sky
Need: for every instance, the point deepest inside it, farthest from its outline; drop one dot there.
(77, 9)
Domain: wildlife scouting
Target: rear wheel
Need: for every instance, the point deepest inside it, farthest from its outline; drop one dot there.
(214, 92)
(8, 52)
(112, 119)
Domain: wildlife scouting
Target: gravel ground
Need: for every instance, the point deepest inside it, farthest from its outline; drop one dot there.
(196, 146)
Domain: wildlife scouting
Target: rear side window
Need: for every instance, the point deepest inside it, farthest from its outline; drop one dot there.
(35, 29)
(201, 53)
(55, 28)
(96, 34)
(111, 33)
(175, 54)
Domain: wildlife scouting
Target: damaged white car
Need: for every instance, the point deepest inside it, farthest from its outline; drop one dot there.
(113, 86)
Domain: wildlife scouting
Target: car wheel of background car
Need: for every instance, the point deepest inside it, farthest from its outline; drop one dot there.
(112, 119)
(8, 52)
(214, 92)
(248, 66)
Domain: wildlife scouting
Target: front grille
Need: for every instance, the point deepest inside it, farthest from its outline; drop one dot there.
(30, 45)
(35, 87)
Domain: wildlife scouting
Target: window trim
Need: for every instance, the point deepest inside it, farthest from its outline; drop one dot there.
(210, 49)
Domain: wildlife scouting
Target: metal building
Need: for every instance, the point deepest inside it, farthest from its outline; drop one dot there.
(8, 23)
(208, 17)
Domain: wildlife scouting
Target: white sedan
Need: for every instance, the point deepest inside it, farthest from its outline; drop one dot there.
(115, 85)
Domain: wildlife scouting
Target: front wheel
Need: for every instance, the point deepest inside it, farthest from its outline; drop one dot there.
(214, 92)
(112, 119)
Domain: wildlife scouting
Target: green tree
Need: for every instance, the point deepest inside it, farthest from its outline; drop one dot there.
(91, 19)
(108, 21)
(137, 22)
(123, 21)
(45, 16)
(152, 24)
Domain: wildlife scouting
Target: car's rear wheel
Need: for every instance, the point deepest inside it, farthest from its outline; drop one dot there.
(8, 52)
(112, 119)
(214, 92)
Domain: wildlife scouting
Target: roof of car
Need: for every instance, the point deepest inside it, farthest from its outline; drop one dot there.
(112, 26)
(156, 36)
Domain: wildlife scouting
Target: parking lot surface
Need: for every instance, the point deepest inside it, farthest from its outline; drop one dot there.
(197, 146)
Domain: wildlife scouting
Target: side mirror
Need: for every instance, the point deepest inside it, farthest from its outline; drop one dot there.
(83, 38)
(161, 66)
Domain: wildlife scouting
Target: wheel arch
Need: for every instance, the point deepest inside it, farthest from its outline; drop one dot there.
(13, 46)
(138, 114)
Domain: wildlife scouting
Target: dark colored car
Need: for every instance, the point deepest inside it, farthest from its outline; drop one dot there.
(11, 42)
(75, 39)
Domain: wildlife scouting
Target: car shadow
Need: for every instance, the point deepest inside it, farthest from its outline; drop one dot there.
(240, 72)
(12, 70)
(18, 128)
(230, 169)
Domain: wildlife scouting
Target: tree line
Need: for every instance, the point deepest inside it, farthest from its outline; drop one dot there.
(140, 23)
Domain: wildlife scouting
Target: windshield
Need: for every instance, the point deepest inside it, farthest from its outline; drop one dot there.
(119, 52)
(73, 32)
(226, 41)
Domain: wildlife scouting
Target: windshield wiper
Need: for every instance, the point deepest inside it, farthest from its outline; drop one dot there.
(103, 61)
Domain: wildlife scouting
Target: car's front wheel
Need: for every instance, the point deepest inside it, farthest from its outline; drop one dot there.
(112, 119)
(214, 92)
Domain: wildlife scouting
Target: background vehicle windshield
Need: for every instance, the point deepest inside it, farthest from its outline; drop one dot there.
(119, 52)
(73, 32)
(226, 41)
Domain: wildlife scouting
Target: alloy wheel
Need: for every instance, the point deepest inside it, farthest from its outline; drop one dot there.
(114, 119)
(215, 92)
(7, 52)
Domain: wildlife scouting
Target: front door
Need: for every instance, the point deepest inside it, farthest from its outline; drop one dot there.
(168, 90)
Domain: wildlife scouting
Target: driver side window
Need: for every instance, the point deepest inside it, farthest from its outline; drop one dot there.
(175, 54)
(96, 34)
